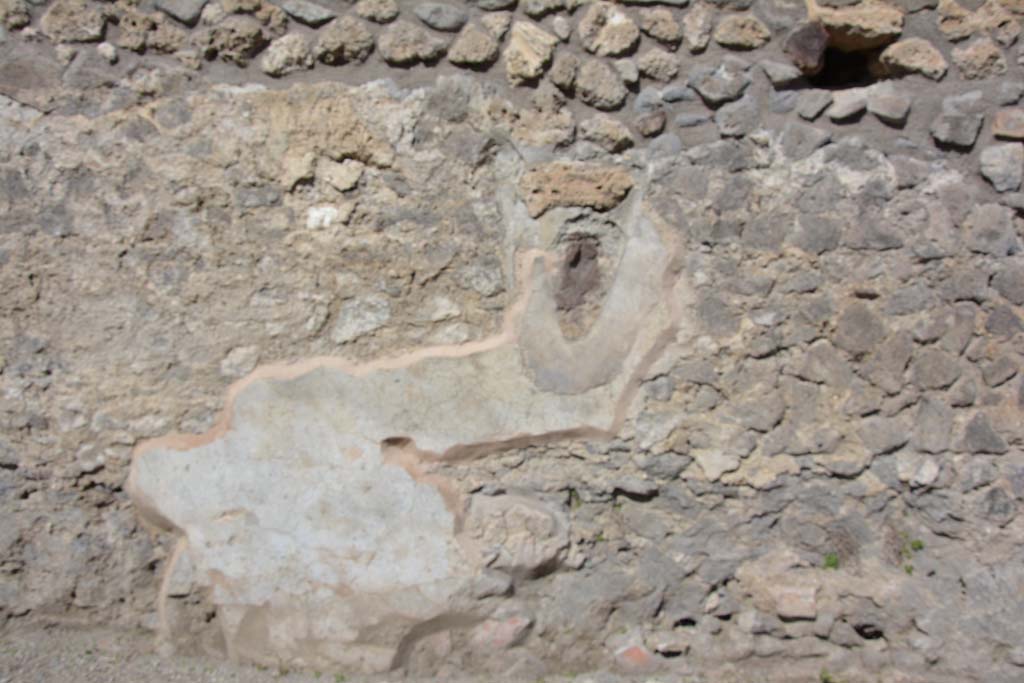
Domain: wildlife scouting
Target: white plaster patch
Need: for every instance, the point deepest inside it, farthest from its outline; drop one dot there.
(319, 217)
(311, 510)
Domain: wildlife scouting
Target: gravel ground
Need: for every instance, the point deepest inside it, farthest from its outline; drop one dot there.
(63, 654)
(70, 655)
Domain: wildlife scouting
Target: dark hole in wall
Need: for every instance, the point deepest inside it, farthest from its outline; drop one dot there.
(580, 272)
(869, 631)
(846, 69)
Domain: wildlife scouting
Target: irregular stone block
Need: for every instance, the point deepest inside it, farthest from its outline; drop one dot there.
(859, 330)
(1009, 124)
(563, 71)
(73, 21)
(806, 47)
(741, 32)
(980, 59)
(378, 11)
(933, 426)
(474, 47)
(344, 40)
(981, 437)
(888, 105)
(528, 53)
(574, 184)
(285, 55)
(957, 130)
(847, 104)
(607, 31)
(721, 84)
(658, 65)
(600, 86)
(404, 44)
(1003, 166)
(990, 230)
(660, 24)
(697, 26)
(914, 55)
(812, 102)
(780, 74)
(862, 26)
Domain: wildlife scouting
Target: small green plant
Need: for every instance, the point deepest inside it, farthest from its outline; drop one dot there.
(600, 537)
(574, 499)
(826, 677)
(907, 549)
(339, 678)
(831, 561)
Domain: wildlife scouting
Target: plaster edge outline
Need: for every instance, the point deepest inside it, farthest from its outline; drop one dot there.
(532, 265)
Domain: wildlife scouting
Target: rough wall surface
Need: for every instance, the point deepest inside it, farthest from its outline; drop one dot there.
(642, 336)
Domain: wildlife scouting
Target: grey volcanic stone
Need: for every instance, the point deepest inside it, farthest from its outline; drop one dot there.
(934, 369)
(723, 83)
(981, 437)
(882, 435)
(441, 16)
(997, 506)
(185, 11)
(305, 11)
(990, 230)
(805, 45)
(800, 140)
(538, 8)
(1009, 282)
(999, 371)
(933, 426)
(783, 101)
(780, 73)
(816, 233)
(957, 130)
(812, 102)
(691, 119)
(889, 107)
(1009, 93)
(859, 330)
(738, 118)
(678, 93)
(847, 104)
(886, 365)
(1003, 321)
(1003, 165)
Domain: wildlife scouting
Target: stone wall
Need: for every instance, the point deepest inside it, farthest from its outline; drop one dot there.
(560, 335)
